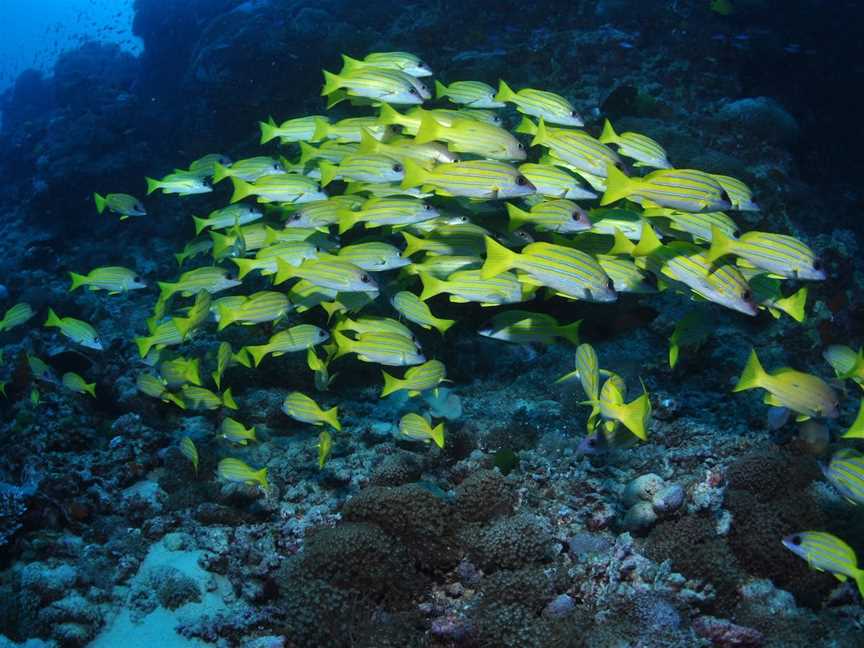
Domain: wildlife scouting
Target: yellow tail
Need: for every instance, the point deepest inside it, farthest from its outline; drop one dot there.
(498, 259)
(307, 153)
(674, 351)
(331, 416)
(200, 224)
(413, 244)
(144, 344)
(350, 65)
(268, 132)
(221, 243)
(100, 201)
(389, 116)
(329, 171)
(608, 136)
(415, 175)
(220, 172)
(152, 185)
(442, 324)
(794, 305)
(648, 242)
(257, 352)
(634, 415)
(391, 384)
(431, 286)
(242, 189)
(77, 280)
(527, 127)
(332, 82)
(368, 143)
(856, 430)
(618, 185)
(570, 332)
(753, 375)
(226, 317)
(228, 399)
(90, 388)
(429, 130)
(622, 244)
(504, 92)
(541, 136)
(322, 128)
(438, 435)
(52, 320)
(347, 219)
(440, 90)
(721, 245)
(518, 217)
(284, 272)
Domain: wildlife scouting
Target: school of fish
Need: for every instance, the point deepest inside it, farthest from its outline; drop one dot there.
(370, 217)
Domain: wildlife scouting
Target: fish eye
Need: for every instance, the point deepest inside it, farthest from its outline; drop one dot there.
(610, 285)
(421, 64)
(521, 180)
(364, 278)
(796, 540)
(277, 167)
(294, 217)
(397, 168)
(577, 215)
(572, 113)
(321, 333)
(412, 91)
(136, 279)
(317, 248)
(520, 147)
(427, 207)
(817, 264)
(592, 442)
(747, 296)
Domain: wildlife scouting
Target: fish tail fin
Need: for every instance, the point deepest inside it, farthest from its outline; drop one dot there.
(322, 128)
(674, 351)
(260, 476)
(226, 317)
(143, 344)
(331, 416)
(794, 304)
(505, 93)
(200, 224)
(440, 89)
(244, 266)
(648, 242)
(242, 358)
(526, 127)
(152, 185)
(618, 185)
(608, 136)
(344, 344)
(368, 143)
(284, 271)
(391, 384)
(90, 388)
(518, 217)
(220, 172)
(100, 201)
(859, 581)
(634, 415)
(350, 64)
(165, 289)
(268, 132)
(388, 115)
(540, 134)
(257, 352)
(438, 435)
(221, 243)
(415, 175)
(347, 219)
(307, 153)
(183, 326)
(753, 374)
(570, 332)
(77, 280)
(228, 399)
(431, 286)
(413, 244)
(52, 320)
(721, 245)
(332, 82)
(180, 258)
(622, 244)
(428, 131)
(328, 172)
(443, 324)
(242, 189)
(498, 259)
